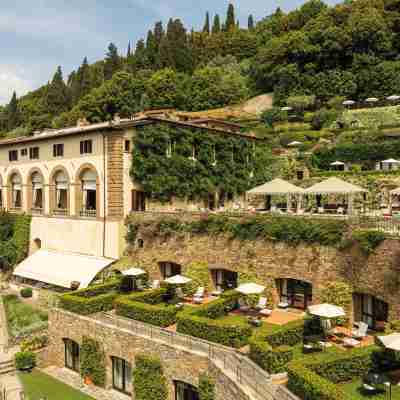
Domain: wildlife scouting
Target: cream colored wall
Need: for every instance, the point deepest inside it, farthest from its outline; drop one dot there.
(72, 161)
(78, 236)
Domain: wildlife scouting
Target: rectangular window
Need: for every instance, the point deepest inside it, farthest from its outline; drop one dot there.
(127, 146)
(122, 375)
(34, 153)
(24, 152)
(86, 147)
(138, 201)
(58, 150)
(13, 155)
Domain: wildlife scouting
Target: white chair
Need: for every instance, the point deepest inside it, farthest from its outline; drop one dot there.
(349, 342)
(361, 332)
(198, 297)
(156, 284)
(321, 210)
(243, 307)
(262, 304)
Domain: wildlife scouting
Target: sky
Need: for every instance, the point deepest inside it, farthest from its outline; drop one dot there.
(39, 35)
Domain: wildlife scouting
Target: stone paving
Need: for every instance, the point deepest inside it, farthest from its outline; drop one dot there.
(73, 379)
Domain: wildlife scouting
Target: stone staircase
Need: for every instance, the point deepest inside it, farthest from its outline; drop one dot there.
(7, 366)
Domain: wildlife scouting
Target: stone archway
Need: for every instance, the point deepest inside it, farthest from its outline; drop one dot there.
(59, 184)
(15, 192)
(36, 192)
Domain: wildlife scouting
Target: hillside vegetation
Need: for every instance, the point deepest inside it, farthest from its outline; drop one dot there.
(348, 50)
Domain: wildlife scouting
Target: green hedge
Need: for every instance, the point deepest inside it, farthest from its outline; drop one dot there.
(318, 377)
(91, 300)
(202, 323)
(92, 361)
(269, 359)
(206, 387)
(147, 307)
(149, 381)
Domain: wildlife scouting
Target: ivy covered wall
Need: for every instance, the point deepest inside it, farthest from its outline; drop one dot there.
(163, 162)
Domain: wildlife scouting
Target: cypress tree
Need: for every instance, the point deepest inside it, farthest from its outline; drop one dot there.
(129, 52)
(152, 49)
(57, 97)
(206, 28)
(112, 62)
(13, 116)
(230, 18)
(216, 28)
(250, 23)
(84, 78)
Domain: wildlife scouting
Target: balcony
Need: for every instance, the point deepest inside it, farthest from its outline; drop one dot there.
(88, 213)
(16, 210)
(60, 212)
(36, 211)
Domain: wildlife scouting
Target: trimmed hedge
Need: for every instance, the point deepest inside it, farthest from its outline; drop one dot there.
(149, 381)
(269, 359)
(91, 300)
(146, 307)
(318, 378)
(202, 323)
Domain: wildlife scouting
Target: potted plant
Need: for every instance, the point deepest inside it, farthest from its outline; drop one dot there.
(25, 361)
(88, 380)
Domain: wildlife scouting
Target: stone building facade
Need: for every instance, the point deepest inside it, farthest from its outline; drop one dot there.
(179, 365)
(374, 279)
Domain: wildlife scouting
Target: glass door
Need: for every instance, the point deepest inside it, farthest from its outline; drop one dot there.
(122, 375)
(367, 310)
(72, 355)
(184, 391)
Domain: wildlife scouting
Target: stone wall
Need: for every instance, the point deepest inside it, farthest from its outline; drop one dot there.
(177, 364)
(268, 261)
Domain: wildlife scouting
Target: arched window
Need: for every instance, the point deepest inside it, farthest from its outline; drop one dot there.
(89, 193)
(61, 192)
(37, 191)
(16, 191)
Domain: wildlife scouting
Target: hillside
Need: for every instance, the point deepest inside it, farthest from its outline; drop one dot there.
(349, 50)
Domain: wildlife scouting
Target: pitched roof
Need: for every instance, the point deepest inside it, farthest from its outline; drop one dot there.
(276, 186)
(334, 186)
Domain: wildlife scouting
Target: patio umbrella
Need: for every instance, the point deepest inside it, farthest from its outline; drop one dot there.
(391, 342)
(178, 280)
(337, 163)
(371, 100)
(133, 272)
(393, 98)
(327, 311)
(348, 102)
(250, 288)
(294, 144)
(286, 108)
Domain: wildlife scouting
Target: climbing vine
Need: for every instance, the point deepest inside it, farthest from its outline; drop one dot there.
(193, 163)
(93, 361)
(206, 387)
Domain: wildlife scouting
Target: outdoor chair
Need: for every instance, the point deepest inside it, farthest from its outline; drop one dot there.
(350, 342)
(198, 297)
(262, 304)
(243, 307)
(156, 284)
(361, 332)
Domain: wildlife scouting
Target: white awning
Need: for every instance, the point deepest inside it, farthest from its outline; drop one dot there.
(391, 341)
(390, 161)
(61, 269)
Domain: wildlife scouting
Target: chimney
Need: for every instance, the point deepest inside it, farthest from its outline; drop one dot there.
(82, 122)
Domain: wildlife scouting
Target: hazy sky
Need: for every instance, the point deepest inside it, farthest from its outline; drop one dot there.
(39, 35)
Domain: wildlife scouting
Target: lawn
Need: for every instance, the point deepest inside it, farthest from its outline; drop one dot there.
(39, 386)
(22, 318)
(352, 389)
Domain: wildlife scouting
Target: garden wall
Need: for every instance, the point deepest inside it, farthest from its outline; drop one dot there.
(376, 274)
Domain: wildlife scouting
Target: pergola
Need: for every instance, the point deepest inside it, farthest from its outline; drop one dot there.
(336, 186)
(278, 187)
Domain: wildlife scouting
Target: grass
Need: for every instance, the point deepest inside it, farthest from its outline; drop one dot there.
(352, 389)
(39, 386)
(22, 318)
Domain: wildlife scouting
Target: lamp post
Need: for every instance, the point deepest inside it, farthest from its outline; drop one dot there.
(389, 385)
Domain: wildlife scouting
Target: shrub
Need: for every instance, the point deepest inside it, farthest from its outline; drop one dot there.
(339, 294)
(92, 360)
(301, 103)
(324, 118)
(35, 343)
(269, 359)
(91, 300)
(200, 276)
(273, 115)
(368, 240)
(148, 379)
(25, 360)
(26, 293)
(206, 387)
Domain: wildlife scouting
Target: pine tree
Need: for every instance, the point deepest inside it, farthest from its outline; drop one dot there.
(13, 115)
(152, 49)
(158, 34)
(84, 78)
(140, 60)
(230, 18)
(250, 23)
(206, 28)
(216, 24)
(129, 52)
(57, 98)
(112, 62)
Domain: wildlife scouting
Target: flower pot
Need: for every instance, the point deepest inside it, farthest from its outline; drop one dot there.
(380, 325)
(88, 380)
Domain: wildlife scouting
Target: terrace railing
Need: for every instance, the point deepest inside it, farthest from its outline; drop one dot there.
(256, 382)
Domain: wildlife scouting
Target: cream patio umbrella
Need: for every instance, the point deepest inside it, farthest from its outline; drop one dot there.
(391, 341)
(336, 186)
(133, 272)
(250, 288)
(277, 187)
(178, 280)
(326, 312)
